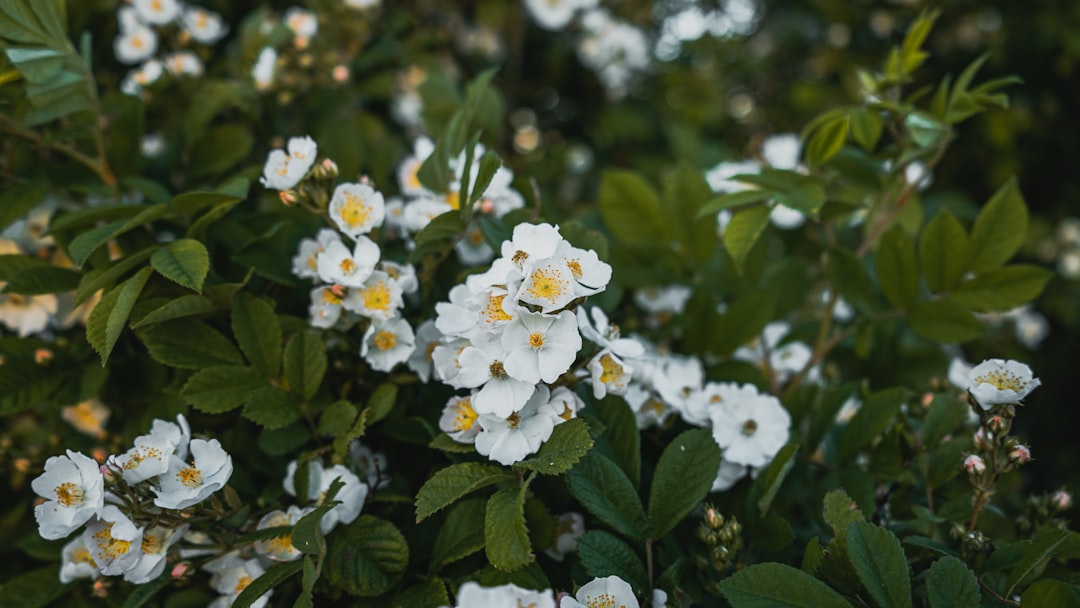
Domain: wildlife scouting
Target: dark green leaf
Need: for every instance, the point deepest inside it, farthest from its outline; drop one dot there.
(103, 278)
(773, 585)
(790, 188)
(733, 199)
(34, 589)
(184, 306)
(852, 280)
(274, 576)
(604, 554)
(44, 280)
(307, 536)
(631, 209)
(944, 321)
(950, 584)
(87, 243)
(870, 421)
(945, 250)
(767, 484)
(506, 537)
(337, 418)
(190, 344)
(271, 407)
(1003, 288)
(897, 268)
(220, 389)
(1036, 554)
(430, 593)
(945, 414)
(367, 558)
(258, 333)
(1050, 592)
(602, 487)
(568, 443)
(684, 476)
(999, 229)
(461, 535)
(879, 561)
(622, 435)
(305, 364)
(489, 165)
(382, 402)
(453, 482)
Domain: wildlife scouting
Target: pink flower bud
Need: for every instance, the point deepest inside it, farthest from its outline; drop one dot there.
(288, 198)
(180, 570)
(340, 73)
(997, 424)
(1061, 500)
(1020, 454)
(974, 465)
(984, 439)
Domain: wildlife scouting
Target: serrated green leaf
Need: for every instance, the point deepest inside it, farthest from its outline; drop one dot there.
(604, 554)
(944, 321)
(309, 574)
(337, 419)
(1036, 553)
(189, 344)
(430, 593)
(950, 584)
(305, 364)
(568, 443)
(367, 558)
(870, 421)
(453, 482)
(271, 407)
(219, 389)
(839, 511)
(827, 141)
(274, 576)
(44, 280)
(88, 242)
(184, 306)
(773, 585)
(184, 261)
(622, 435)
(897, 268)
(743, 231)
(878, 560)
(945, 250)
(684, 476)
(1000, 289)
(461, 535)
(506, 537)
(631, 209)
(943, 417)
(382, 402)
(999, 229)
(601, 486)
(767, 484)
(103, 278)
(258, 333)
(109, 317)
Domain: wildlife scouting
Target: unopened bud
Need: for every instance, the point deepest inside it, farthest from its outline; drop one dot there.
(998, 425)
(330, 167)
(1020, 454)
(974, 465)
(181, 570)
(43, 356)
(927, 398)
(111, 474)
(713, 518)
(340, 73)
(288, 198)
(984, 439)
(1061, 500)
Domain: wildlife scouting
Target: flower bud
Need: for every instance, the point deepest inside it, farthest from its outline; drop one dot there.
(111, 474)
(340, 73)
(984, 439)
(998, 425)
(330, 167)
(974, 465)
(1020, 454)
(181, 569)
(1061, 500)
(713, 518)
(288, 198)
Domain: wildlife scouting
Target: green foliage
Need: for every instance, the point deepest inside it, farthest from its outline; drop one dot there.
(602, 488)
(949, 583)
(258, 333)
(879, 561)
(567, 445)
(461, 535)
(367, 558)
(604, 554)
(506, 537)
(184, 262)
(684, 475)
(111, 314)
(305, 364)
(454, 482)
(776, 585)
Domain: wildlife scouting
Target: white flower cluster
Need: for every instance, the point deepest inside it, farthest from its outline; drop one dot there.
(777, 152)
(127, 504)
(142, 21)
(419, 205)
(303, 24)
(507, 333)
(285, 168)
(608, 591)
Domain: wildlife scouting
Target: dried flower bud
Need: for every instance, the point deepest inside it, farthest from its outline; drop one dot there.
(974, 465)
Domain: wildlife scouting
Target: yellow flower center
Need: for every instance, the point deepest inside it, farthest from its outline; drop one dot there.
(137, 43)
(329, 297)
(376, 296)
(348, 266)
(1002, 380)
(385, 340)
(156, 6)
(190, 477)
(520, 257)
(82, 556)
(281, 545)
(575, 268)
(496, 369)
(547, 284)
(493, 311)
(141, 453)
(536, 340)
(715, 399)
(610, 370)
(69, 495)
(242, 583)
(412, 175)
(111, 547)
(354, 211)
(604, 600)
(151, 543)
(465, 416)
(454, 200)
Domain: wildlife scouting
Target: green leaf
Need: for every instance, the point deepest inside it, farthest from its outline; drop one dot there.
(34, 589)
(827, 141)
(1037, 553)
(743, 231)
(568, 443)
(189, 344)
(950, 584)
(767, 484)
(219, 149)
(103, 278)
(852, 280)
(878, 560)
(184, 261)
(367, 558)
(444, 443)
(305, 364)
(622, 434)
(430, 593)
(506, 537)
(182, 307)
(442, 228)
(455, 481)
(271, 407)
(601, 486)
(870, 421)
(191, 203)
(897, 268)
(307, 583)
(219, 389)
(258, 333)
(145, 592)
(999, 229)
(17, 200)
(88, 242)
(43, 280)
(944, 321)
(274, 576)
(772, 585)
(337, 418)
(801, 192)
(381, 402)
(1050, 592)
(866, 127)
(108, 318)
(490, 163)
(461, 535)
(604, 554)
(1003, 288)
(925, 130)
(307, 536)
(945, 251)
(743, 321)
(943, 417)
(685, 191)
(731, 200)
(631, 209)
(684, 476)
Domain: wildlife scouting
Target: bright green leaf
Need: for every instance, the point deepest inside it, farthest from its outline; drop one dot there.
(999, 229)
(110, 315)
(1000, 289)
(743, 231)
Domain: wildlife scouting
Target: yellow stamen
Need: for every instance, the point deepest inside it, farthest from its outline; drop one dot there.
(69, 495)
(385, 340)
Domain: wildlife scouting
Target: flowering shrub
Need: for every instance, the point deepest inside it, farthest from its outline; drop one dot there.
(291, 318)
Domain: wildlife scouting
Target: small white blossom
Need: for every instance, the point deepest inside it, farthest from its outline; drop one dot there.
(352, 494)
(372, 466)
(417, 214)
(27, 315)
(649, 409)
(280, 548)
(154, 547)
(472, 595)
(608, 591)
(379, 297)
(336, 264)
(283, 170)
(305, 264)
(782, 151)
(701, 404)
(1031, 328)
(157, 12)
(751, 430)
(568, 529)
(509, 439)
(183, 63)
(483, 365)
(541, 347)
(135, 44)
(402, 274)
(263, 70)
(231, 579)
(458, 419)
(531, 242)
(410, 167)
(205, 27)
(357, 208)
(680, 378)
(113, 540)
(142, 76)
(76, 561)
(609, 374)
(549, 285)
(728, 475)
(387, 344)
(553, 15)
(606, 335)
(184, 485)
(74, 492)
(302, 22)
(428, 338)
(658, 300)
(996, 381)
(563, 405)
(325, 308)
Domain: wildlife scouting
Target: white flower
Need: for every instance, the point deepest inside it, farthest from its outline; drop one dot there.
(135, 45)
(148, 458)
(263, 70)
(996, 381)
(720, 176)
(74, 492)
(751, 430)
(1031, 328)
(541, 347)
(784, 359)
(302, 22)
(206, 27)
(410, 167)
(428, 338)
(387, 344)
(446, 360)
(379, 298)
(473, 250)
(649, 410)
(283, 170)
(336, 264)
(609, 374)
(144, 75)
(77, 562)
(785, 217)
(848, 410)
(549, 285)
(958, 373)
(509, 439)
(606, 335)
(657, 300)
(402, 274)
(357, 209)
(184, 485)
(608, 591)
(280, 548)
(352, 494)
(483, 364)
(591, 275)
(157, 12)
(531, 243)
(419, 213)
(728, 475)
(472, 595)
(183, 63)
(563, 405)
(372, 465)
(680, 377)
(568, 529)
(113, 540)
(458, 419)
(701, 404)
(305, 264)
(27, 315)
(232, 579)
(325, 309)
(552, 15)
(154, 547)
(782, 151)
